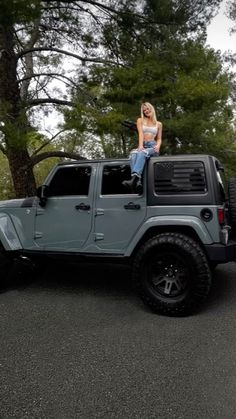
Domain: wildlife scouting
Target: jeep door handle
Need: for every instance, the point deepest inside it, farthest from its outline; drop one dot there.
(82, 207)
(132, 206)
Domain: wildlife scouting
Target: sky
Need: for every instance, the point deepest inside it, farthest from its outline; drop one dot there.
(218, 35)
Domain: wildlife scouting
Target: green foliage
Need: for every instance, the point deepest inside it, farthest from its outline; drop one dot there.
(42, 169)
(16, 131)
(151, 50)
(6, 187)
(18, 11)
(231, 12)
(187, 85)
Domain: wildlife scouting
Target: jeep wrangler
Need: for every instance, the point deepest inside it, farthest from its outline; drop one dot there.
(172, 235)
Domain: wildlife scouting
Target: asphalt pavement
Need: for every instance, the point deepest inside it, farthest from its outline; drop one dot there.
(74, 345)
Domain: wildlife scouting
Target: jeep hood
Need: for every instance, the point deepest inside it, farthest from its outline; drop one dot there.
(18, 203)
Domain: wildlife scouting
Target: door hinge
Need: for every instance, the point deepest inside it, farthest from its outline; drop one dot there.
(38, 235)
(40, 211)
(99, 211)
(98, 236)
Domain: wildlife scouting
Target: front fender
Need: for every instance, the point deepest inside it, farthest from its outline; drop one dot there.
(171, 220)
(8, 235)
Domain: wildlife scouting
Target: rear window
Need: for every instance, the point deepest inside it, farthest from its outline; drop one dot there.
(112, 179)
(179, 178)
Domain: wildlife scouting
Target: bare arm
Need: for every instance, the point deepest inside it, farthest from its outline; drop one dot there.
(140, 133)
(159, 137)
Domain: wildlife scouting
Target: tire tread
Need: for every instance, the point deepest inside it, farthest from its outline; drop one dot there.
(202, 287)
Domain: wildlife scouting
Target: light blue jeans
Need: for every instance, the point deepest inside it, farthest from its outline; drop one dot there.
(138, 157)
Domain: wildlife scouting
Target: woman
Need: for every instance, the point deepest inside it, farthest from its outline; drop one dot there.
(150, 138)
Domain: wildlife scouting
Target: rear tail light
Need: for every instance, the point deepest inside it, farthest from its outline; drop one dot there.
(221, 215)
(225, 229)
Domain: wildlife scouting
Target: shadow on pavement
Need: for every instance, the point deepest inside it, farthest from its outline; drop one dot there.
(103, 279)
(76, 277)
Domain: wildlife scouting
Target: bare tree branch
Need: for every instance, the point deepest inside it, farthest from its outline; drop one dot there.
(113, 11)
(36, 102)
(101, 6)
(47, 142)
(93, 3)
(36, 159)
(34, 75)
(28, 59)
(61, 51)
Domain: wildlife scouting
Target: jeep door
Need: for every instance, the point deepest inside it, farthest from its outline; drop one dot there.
(118, 213)
(66, 220)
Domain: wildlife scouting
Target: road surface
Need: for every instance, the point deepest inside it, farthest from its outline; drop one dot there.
(76, 346)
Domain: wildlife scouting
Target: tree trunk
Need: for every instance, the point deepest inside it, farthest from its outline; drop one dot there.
(12, 114)
(22, 172)
(9, 89)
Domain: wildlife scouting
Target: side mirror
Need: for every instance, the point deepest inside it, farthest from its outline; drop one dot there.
(42, 193)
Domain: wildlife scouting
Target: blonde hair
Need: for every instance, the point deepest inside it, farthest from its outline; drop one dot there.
(153, 115)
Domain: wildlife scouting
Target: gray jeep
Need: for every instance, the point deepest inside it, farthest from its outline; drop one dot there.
(172, 235)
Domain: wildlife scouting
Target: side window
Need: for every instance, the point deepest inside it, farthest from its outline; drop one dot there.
(113, 177)
(180, 178)
(70, 181)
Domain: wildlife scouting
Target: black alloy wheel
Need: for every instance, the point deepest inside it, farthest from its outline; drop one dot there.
(168, 275)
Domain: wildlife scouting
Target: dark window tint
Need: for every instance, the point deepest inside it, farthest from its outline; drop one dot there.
(112, 179)
(180, 177)
(70, 181)
(222, 180)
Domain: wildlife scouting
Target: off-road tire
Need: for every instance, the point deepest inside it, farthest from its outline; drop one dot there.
(232, 204)
(171, 274)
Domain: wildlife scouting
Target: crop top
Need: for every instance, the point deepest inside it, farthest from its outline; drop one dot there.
(150, 130)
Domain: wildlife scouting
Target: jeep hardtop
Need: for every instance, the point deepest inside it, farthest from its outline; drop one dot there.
(172, 235)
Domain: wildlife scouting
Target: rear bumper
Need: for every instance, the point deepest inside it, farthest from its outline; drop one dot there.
(220, 253)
